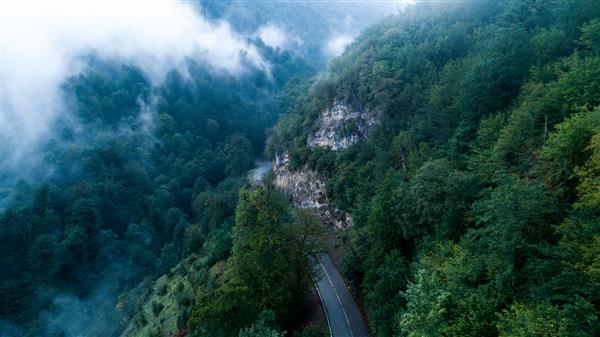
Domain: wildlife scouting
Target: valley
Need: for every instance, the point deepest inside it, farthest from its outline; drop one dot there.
(300, 168)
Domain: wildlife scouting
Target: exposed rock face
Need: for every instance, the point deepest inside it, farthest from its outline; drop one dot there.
(308, 191)
(305, 187)
(340, 127)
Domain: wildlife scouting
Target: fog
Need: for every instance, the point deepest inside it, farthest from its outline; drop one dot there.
(43, 43)
(275, 37)
(337, 44)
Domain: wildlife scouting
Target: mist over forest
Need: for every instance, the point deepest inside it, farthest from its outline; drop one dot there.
(119, 117)
(179, 168)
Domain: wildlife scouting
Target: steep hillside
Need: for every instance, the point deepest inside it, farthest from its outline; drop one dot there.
(474, 198)
(317, 30)
(453, 149)
(135, 178)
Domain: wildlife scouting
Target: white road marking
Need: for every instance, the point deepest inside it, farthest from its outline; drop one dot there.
(338, 297)
(324, 309)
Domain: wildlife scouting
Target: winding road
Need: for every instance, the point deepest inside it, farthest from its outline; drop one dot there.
(343, 317)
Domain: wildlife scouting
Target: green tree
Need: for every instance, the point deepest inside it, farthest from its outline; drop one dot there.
(239, 154)
(568, 148)
(266, 242)
(41, 257)
(588, 189)
(545, 320)
(262, 327)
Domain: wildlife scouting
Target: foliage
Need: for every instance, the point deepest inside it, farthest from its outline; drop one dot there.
(475, 198)
(137, 177)
(268, 240)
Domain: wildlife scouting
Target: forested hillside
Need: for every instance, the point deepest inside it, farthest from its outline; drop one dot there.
(459, 142)
(141, 177)
(475, 199)
(316, 30)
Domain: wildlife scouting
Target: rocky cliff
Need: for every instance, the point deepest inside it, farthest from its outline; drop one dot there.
(341, 126)
(338, 128)
(308, 191)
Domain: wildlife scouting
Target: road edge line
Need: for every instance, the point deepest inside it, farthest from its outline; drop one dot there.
(338, 297)
(324, 309)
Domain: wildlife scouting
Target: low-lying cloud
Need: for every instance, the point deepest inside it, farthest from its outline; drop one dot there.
(43, 42)
(272, 36)
(277, 38)
(337, 44)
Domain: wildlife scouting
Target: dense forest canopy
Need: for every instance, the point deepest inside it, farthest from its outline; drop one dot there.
(475, 199)
(316, 30)
(133, 193)
(134, 177)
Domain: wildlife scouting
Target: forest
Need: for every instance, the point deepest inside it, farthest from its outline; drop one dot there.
(475, 199)
(133, 198)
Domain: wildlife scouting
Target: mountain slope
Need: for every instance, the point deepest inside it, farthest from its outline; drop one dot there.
(468, 197)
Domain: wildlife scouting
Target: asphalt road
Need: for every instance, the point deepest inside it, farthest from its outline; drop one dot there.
(343, 316)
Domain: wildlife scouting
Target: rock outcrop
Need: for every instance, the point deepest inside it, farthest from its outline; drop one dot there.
(340, 127)
(308, 191)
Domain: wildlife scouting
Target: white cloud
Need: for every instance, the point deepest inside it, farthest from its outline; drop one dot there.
(276, 37)
(272, 36)
(43, 39)
(355, 16)
(337, 44)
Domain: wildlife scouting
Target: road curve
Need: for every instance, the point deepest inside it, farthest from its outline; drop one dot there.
(343, 317)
